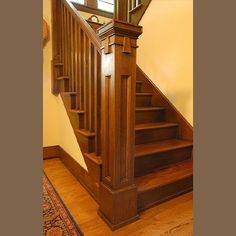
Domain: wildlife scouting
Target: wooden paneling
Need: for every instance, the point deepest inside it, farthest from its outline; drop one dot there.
(51, 152)
(89, 179)
(118, 109)
(97, 79)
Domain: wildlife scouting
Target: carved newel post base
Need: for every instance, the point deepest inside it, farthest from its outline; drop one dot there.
(118, 193)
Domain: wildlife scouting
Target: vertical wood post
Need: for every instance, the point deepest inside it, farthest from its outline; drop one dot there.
(56, 45)
(118, 193)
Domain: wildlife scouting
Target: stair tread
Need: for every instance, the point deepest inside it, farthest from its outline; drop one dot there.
(69, 93)
(59, 64)
(149, 108)
(160, 146)
(156, 125)
(85, 132)
(62, 77)
(164, 176)
(76, 111)
(139, 81)
(144, 94)
(93, 157)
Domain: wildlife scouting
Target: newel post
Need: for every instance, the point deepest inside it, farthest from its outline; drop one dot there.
(118, 193)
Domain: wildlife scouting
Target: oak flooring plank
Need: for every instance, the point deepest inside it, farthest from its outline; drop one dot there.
(172, 218)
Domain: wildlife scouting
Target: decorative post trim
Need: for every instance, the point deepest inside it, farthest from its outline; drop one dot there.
(118, 193)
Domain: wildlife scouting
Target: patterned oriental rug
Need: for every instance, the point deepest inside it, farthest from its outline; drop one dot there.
(57, 220)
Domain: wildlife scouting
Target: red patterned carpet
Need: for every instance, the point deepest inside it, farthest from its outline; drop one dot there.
(57, 221)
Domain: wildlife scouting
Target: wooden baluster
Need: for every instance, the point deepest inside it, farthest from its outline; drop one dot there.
(69, 49)
(82, 37)
(118, 122)
(72, 53)
(91, 88)
(86, 83)
(121, 10)
(63, 37)
(76, 61)
(79, 67)
(97, 100)
(66, 42)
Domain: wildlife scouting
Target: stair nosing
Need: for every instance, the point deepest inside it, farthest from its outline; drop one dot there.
(69, 93)
(149, 108)
(157, 126)
(171, 148)
(76, 111)
(144, 94)
(166, 183)
(62, 77)
(85, 132)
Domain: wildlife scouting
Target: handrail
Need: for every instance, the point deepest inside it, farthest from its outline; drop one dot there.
(85, 26)
(78, 50)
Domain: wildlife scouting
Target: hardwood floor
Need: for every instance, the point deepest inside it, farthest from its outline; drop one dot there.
(172, 218)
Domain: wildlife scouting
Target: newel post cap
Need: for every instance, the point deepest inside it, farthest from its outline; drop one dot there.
(120, 28)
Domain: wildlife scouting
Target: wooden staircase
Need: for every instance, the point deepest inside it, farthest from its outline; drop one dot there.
(163, 164)
(163, 138)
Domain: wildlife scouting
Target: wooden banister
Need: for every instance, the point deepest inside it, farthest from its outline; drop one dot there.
(100, 75)
(77, 56)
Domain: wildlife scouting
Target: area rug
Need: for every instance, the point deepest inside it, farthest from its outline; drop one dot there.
(57, 221)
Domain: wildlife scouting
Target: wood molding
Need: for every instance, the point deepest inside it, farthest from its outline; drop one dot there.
(119, 44)
(159, 99)
(51, 152)
(86, 178)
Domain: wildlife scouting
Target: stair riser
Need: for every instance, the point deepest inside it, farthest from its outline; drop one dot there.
(73, 101)
(138, 87)
(143, 101)
(149, 116)
(87, 143)
(147, 164)
(158, 195)
(151, 135)
(64, 85)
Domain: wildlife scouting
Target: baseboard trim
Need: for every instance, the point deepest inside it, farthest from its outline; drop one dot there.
(79, 173)
(51, 152)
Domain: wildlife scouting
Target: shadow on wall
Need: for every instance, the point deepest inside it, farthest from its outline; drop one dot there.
(165, 51)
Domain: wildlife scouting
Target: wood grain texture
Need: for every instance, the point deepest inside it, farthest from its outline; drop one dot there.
(171, 113)
(122, 133)
(172, 218)
(118, 110)
(51, 152)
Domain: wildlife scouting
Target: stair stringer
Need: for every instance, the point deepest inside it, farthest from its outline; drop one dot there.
(93, 176)
(159, 99)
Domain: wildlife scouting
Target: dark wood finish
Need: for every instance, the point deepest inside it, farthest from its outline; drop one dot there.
(125, 127)
(151, 132)
(121, 10)
(164, 184)
(118, 109)
(89, 179)
(171, 113)
(51, 152)
(137, 10)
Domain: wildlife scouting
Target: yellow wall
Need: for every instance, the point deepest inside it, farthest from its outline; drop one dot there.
(165, 51)
(57, 129)
(67, 138)
(50, 102)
